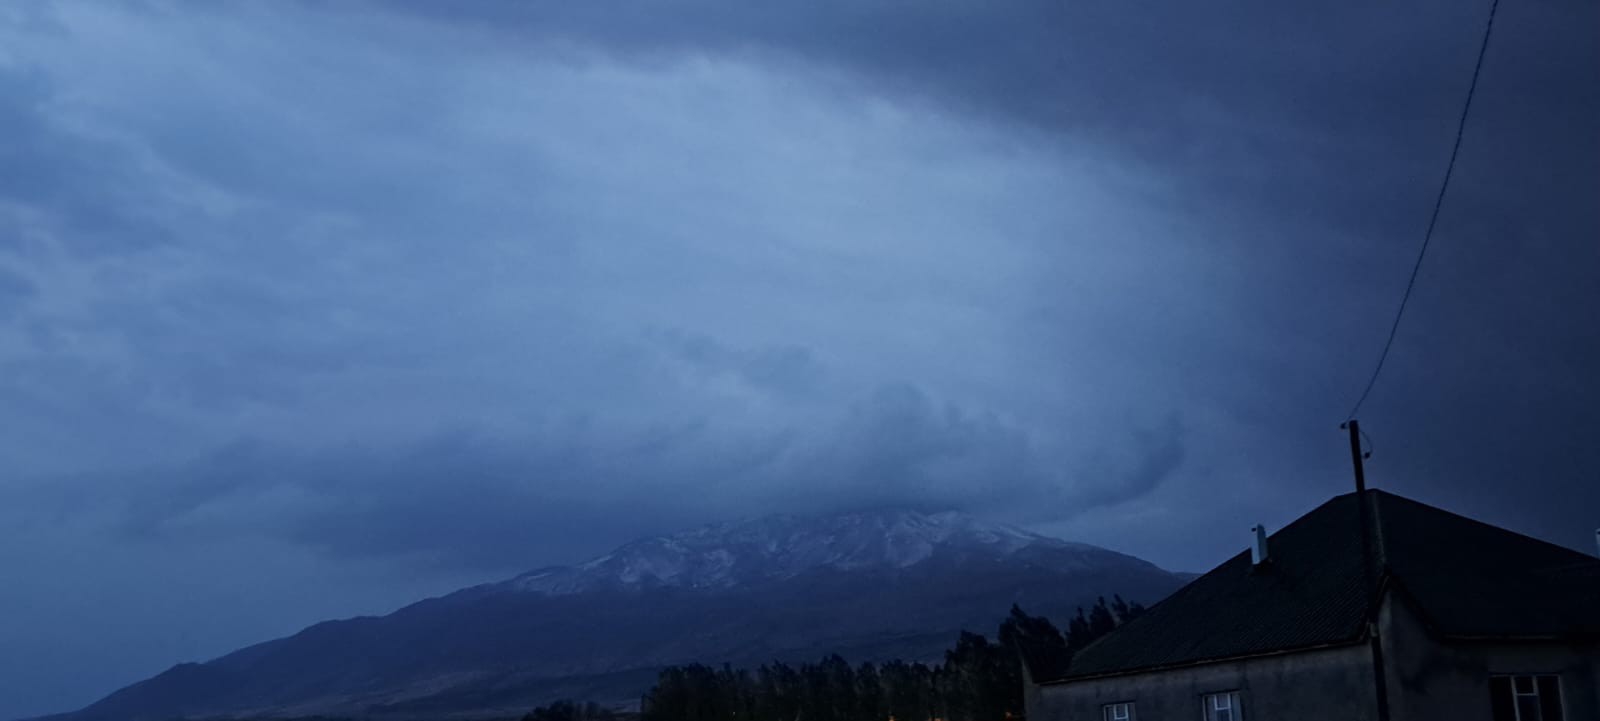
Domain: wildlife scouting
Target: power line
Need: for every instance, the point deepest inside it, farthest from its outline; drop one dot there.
(1433, 220)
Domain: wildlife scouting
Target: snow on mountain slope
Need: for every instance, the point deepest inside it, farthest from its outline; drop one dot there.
(776, 547)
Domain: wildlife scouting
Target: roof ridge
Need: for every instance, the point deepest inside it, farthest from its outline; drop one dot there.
(1309, 513)
(1220, 566)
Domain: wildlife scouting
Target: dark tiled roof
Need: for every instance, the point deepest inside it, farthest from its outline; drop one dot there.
(1468, 579)
(1471, 579)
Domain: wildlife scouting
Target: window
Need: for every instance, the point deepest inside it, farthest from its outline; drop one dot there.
(1222, 706)
(1118, 712)
(1526, 698)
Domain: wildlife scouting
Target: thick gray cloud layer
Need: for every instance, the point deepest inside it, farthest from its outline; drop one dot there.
(309, 310)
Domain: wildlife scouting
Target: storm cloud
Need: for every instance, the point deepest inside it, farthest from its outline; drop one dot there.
(310, 310)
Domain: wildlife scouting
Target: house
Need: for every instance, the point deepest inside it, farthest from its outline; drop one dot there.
(1412, 613)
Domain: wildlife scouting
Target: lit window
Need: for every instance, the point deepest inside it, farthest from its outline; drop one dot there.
(1526, 698)
(1222, 706)
(1118, 712)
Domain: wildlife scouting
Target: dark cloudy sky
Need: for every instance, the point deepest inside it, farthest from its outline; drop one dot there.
(309, 310)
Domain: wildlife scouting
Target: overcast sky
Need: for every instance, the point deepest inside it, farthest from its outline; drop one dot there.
(310, 310)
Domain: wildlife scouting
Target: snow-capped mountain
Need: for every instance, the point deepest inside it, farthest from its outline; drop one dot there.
(869, 586)
(779, 547)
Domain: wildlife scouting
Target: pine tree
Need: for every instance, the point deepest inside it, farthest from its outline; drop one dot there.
(1124, 610)
(1101, 622)
(1032, 635)
(839, 689)
(871, 702)
(1078, 633)
(1119, 608)
(1033, 640)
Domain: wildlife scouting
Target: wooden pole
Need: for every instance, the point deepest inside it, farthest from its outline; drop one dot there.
(1369, 582)
(1355, 455)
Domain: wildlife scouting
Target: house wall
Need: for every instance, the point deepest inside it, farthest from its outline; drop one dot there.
(1333, 684)
(1427, 679)
(1030, 691)
(1432, 680)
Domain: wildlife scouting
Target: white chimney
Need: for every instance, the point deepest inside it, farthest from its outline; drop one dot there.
(1258, 552)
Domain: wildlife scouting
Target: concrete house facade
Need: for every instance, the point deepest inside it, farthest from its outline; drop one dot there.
(1427, 616)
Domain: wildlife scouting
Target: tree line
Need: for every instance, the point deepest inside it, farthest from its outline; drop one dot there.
(978, 680)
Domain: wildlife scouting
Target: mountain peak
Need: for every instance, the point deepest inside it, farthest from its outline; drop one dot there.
(723, 555)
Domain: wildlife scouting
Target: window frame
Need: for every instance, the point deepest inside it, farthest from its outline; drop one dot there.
(1533, 680)
(1108, 711)
(1235, 707)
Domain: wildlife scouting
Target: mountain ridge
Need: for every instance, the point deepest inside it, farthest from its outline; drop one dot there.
(721, 554)
(874, 585)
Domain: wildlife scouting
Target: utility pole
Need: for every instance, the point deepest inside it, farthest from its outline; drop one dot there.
(1369, 582)
(1364, 513)
(1355, 455)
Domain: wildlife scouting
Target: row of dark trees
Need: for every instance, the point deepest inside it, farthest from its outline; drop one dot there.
(978, 680)
(572, 711)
